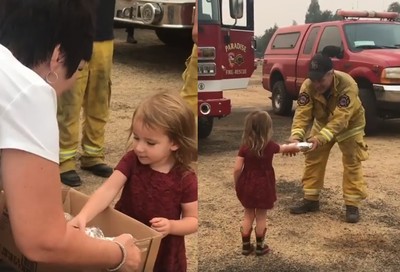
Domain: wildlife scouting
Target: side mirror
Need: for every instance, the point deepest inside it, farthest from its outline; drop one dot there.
(236, 8)
(332, 51)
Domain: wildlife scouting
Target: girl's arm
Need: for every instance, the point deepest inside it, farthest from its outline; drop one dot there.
(189, 205)
(102, 197)
(290, 149)
(238, 168)
(32, 188)
(187, 225)
(189, 222)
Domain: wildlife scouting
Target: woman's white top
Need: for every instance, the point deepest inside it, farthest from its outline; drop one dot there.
(28, 110)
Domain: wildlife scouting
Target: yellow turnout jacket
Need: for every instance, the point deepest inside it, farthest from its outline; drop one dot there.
(338, 117)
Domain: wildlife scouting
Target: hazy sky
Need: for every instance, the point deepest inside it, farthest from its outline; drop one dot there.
(283, 12)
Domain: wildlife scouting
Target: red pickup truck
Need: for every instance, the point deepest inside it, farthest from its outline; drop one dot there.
(364, 44)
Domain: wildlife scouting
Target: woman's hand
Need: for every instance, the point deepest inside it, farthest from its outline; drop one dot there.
(133, 253)
(162, 225)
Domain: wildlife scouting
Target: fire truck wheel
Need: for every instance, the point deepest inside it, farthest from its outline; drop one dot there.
(205, 126)
(282, 102)
(175, 37)
(371, 114)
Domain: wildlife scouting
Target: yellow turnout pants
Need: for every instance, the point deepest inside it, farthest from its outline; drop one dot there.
(92, 93)
(354, 151)
(189, 76)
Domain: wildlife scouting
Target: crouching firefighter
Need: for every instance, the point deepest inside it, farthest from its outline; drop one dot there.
(329, 102)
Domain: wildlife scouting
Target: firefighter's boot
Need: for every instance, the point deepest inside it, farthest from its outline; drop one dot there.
(101, 170)
(305, 207)
(71, 178)
(261, 248)
(352, 214)
(247, 247)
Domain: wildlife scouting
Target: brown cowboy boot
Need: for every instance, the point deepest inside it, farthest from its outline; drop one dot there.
(247, 247)
(261, 248)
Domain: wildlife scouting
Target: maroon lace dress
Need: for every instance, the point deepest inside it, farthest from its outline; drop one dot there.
(255, 188)
(148, 194)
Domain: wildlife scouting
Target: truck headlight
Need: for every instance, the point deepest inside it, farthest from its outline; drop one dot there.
(151, 13)
(390, 75)
(206, 69)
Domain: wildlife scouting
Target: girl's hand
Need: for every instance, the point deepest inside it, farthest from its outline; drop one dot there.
(162, 225)
(78, 222)
(290, 149)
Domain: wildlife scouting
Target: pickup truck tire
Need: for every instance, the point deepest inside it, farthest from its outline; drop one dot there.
(282, 102)
(371, 114)
(205, 126)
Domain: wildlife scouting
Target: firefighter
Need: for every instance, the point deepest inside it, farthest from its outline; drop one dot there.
(92, 93)
(328, 100)
(130, 35)
(189, 89)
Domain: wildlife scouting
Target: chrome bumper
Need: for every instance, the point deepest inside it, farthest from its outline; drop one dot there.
(155, 14)
(387, 93)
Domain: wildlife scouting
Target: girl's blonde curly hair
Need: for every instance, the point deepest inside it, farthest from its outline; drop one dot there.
(257, 131)
(169, 112)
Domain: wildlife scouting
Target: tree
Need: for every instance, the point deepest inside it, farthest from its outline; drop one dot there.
(262, 42)
(335, 17)
(314, 13)
(294, 22)
(326, 16)
(395, 6)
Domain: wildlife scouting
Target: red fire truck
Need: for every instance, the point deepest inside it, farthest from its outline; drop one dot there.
(225, 56)
(171, 20)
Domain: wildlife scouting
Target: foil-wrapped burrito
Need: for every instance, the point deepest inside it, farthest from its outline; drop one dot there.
(93, 232)
(67, 216)
(304, 146)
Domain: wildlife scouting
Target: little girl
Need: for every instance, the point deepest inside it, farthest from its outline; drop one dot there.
(158, 186)
(255, 178)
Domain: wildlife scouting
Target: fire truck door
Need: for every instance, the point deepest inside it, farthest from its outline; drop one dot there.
(237, 52)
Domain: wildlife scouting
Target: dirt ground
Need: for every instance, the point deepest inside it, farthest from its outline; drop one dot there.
(317, 242)
(139, 70)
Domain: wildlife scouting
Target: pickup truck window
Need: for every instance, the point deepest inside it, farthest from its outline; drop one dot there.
(330, 36)
(286, 40)
(311, 40)
(372, 36)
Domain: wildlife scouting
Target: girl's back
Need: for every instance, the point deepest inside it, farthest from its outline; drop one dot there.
(253, 162)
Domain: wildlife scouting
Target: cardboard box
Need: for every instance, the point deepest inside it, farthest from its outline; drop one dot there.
(110, 221)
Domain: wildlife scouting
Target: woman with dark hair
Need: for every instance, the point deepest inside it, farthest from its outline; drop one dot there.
(42, 45)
